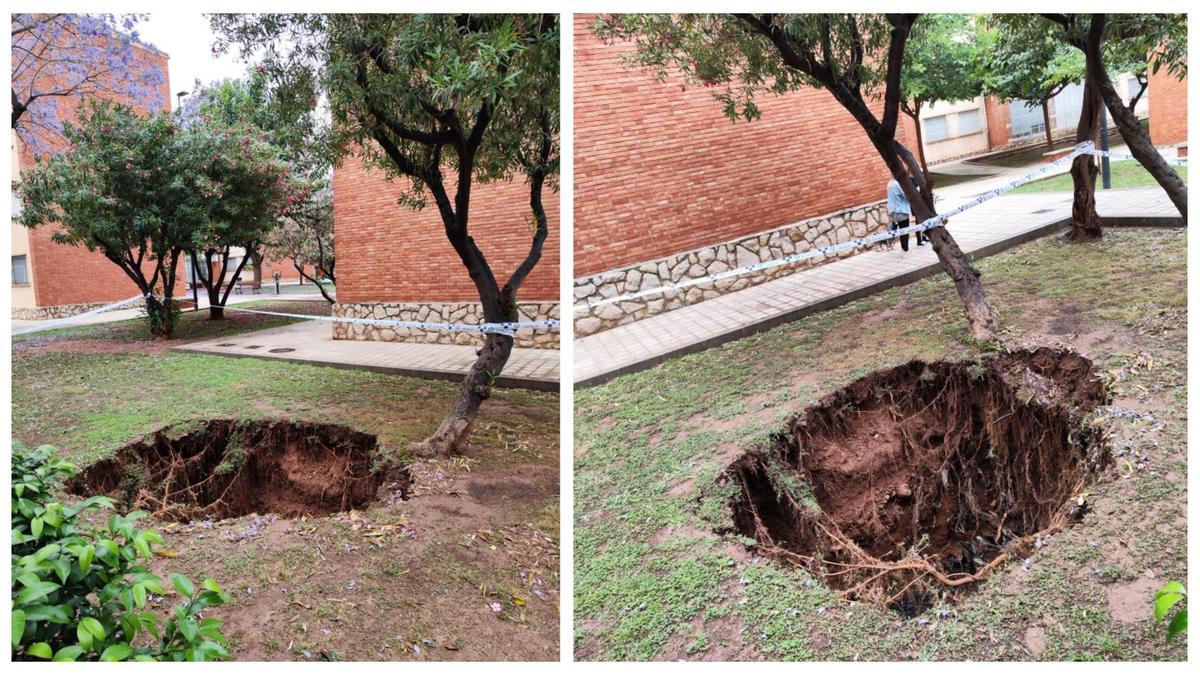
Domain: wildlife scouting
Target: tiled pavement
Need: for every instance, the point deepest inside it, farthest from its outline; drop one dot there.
(312, 343)
(990, 228)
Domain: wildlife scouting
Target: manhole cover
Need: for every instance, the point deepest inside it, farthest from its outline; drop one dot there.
(281, 350)
(226, 344)
(913, 483)
(228, 468)
(253, 346)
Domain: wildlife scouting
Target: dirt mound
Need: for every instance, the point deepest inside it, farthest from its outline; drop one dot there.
(917, 480)
(228, 468)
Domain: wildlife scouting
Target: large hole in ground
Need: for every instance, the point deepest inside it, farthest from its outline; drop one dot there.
(912, 483)
(229, 468)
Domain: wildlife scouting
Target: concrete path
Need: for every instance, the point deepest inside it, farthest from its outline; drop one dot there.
(135, 310)
(990, 228)
(312, 342)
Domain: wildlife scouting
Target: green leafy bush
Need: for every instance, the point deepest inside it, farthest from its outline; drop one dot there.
(1164, 600)
(82, 592)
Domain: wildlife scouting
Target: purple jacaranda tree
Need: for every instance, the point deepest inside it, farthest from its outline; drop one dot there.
(60, 57)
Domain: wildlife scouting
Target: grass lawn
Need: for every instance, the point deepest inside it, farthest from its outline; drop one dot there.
(1125, 174)
(479, 529)
(659, 576)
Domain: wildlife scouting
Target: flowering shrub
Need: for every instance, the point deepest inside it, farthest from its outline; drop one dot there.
(82, 592)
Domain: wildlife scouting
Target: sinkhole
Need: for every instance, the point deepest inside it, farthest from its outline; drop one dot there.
(227, 468)
(913, 483)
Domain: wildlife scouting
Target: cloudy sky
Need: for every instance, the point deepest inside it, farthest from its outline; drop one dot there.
(187, 39)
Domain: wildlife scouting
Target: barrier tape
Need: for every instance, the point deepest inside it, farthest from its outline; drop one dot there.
(508, 328)
(66, 320)
(937, 221)
(1180, 161)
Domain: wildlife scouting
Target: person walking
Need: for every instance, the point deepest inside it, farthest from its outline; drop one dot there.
(899, 210)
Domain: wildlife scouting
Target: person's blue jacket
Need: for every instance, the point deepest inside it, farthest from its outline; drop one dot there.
(897, 201)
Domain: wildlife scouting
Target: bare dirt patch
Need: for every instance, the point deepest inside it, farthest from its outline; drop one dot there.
(229, 468)
(914, 482)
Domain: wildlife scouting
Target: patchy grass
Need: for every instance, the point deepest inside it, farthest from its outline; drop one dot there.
(659, 576)
(1125, 174)
(402, 579)
(192, 325)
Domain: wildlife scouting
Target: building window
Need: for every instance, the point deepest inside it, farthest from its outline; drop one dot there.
(968, 122)
(936, 129)
(16, 204)
(20, 270)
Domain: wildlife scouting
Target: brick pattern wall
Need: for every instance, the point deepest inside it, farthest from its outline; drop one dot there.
(1168, 108)
(72, 275)
(659, 170)
(390, 253)
(999, 122)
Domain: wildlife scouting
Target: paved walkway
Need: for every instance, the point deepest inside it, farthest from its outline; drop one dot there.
(990, 228)
(135, 309)
(312, 342)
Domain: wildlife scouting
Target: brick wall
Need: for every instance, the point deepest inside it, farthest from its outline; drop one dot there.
(390, 253)
(72, 275)
(1168, 108)
(999, 122)
(659, 169)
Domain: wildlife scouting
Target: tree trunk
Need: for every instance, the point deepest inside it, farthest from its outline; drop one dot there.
(1046, 123)
(916, 117)
(1085, 222)
(1140, 145)
(980, 315)
(451, 436)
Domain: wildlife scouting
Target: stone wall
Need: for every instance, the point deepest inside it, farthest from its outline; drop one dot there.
(700, 262)
(441, 312)
(55, 311)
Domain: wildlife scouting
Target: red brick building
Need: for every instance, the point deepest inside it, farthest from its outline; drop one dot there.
(667, 188)
(1168, 109)
(394, 262)
(52, 280)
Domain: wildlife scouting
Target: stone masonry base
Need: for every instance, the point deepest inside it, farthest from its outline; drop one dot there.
(441, 312)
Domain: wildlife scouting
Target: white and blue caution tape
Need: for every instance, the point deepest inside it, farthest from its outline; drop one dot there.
(508, 328)
(1087, 147)
(1123, 156)
(68, 320)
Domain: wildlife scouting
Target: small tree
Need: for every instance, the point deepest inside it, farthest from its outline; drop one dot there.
(1025, 61)
(1105, 38)
(306, 238)
(124, 188)
(57, 57)
(248, 185)
(938, 67)
(420, 96)
(852, 56)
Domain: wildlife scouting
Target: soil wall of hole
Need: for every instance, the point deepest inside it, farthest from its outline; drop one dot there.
(226, 468)
(916, 481)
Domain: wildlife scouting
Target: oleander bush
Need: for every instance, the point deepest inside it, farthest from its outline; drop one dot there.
(82, 591)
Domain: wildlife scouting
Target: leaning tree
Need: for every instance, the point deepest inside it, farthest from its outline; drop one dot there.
(442, 102)
(70, 57)
(1162, 39)
(858, 58)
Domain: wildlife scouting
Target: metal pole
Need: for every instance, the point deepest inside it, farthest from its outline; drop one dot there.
(1105, 169)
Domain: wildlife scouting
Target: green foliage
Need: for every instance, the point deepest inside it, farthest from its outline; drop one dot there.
(939, 60)
(1166, 599)
(410, 92)
(82, 592)
(1020, 57)
(142, 190)
(733, 57)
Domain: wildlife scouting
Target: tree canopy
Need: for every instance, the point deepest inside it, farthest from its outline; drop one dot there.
(56, 57)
